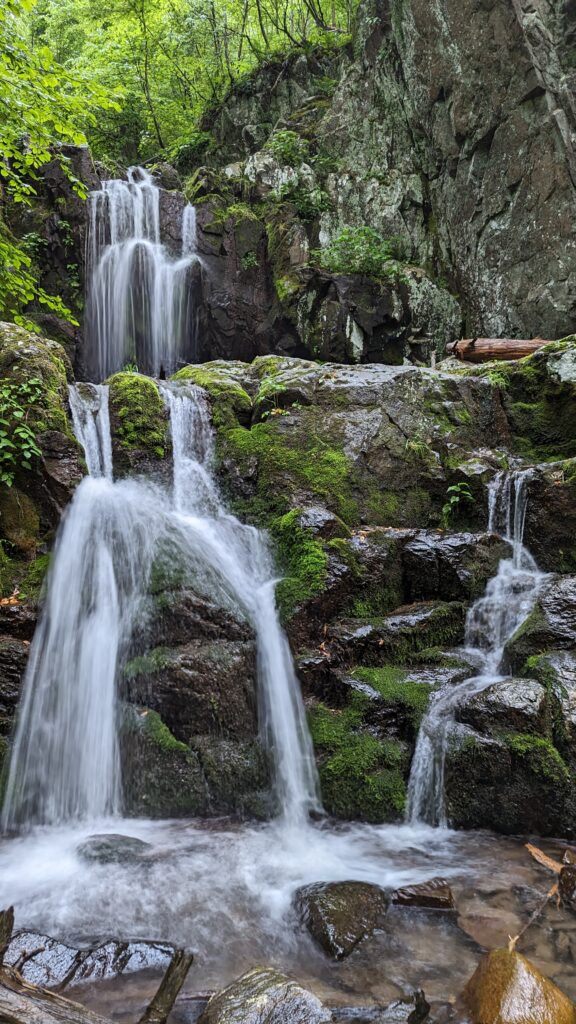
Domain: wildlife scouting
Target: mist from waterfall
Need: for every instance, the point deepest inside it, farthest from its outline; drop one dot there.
(491, 621)
(139, 303)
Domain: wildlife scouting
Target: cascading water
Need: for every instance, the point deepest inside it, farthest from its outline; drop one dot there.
(65, 762)
(139, 307)
(491, 622)
(240, 556)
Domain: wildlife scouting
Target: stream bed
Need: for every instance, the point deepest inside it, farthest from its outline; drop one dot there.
(225, 890)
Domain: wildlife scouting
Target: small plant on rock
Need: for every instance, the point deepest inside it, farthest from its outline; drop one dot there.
(18, 445)
(457, 495)
(288, 147)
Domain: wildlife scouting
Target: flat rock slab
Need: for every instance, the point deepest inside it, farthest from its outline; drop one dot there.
(507, 989)
(339, 915)
(47, 962)
(113, 849)
(264, 996)
(402, 1011)
(433, 895)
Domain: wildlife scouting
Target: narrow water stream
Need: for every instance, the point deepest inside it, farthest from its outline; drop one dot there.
(491, 622)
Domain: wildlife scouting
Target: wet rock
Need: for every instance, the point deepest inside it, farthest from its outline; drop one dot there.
(507, 989)
(401, 1011)
(433, 895)
(264, 996)
(513, 705)
(204, 686)
(339, 915)
(556, 670)
(567, 885)
(237, 776)
(550, 626)
(514, 784)
(453, 567)
(113, 849)
(13, 659)
(49, 963)
(396, 636)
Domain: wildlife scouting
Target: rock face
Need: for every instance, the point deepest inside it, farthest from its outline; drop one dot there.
(263, 996)
(339, 915)
(507, 989)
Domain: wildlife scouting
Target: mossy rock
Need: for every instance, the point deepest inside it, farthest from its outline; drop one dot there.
(162, 777)
(361, 777)
(19, 520)
(138, 417)
(231, 403)
(23, 356)
(398, 691)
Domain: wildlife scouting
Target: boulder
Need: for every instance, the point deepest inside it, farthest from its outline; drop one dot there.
(550, 626)
(339, 915)
(452, 567)
(512, 705)
(113, 849)
(397, 636)
(264, 996)
(507, 989)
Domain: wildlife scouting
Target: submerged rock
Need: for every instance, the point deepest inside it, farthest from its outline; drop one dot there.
(113, 849)
(508, 989)
(339, 915)
(414, 1010)
(47, 962)
(264, 996)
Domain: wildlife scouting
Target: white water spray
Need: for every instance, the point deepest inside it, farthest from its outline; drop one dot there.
(91, 419)
(139, 307)
(491, 622)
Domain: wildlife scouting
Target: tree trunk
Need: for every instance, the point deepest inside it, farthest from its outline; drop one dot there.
(480, 350)
(158, 1010)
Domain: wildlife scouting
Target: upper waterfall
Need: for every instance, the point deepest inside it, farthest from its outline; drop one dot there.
(139, 303)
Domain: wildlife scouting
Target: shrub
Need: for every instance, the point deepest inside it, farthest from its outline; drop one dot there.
(17, 439)
(361, 251)
(288, 148)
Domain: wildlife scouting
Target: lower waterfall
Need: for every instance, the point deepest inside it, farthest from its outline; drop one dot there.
(490, 623)
(65, 761)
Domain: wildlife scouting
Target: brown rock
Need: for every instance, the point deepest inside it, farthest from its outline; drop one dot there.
(507, 989)
(433, 895)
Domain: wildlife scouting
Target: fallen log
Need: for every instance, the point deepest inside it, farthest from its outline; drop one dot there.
(24, 1003)
(480, 350)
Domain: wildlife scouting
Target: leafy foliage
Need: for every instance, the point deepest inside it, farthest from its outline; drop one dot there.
(42, 106)
(18, 447)
(174, 59)
(361, 251)
(288, 147)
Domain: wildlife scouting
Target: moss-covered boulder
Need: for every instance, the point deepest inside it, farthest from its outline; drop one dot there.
(339, 915)
(511, 783)
(162, 777)
(506, 988)
(139, 424)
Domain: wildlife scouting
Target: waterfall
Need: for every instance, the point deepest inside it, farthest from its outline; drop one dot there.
(240, 557)
(491, 622)
(65, 760)
(139, 307)
(91, 420)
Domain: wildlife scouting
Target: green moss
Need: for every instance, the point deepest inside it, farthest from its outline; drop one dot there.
(411, 507)
(393, 683)
(33, 579)
(541, 756)
(302, 558)
(24, 356)
(138, 410)
(149, 664)
(154, 729)
(230, 402)
(361, 777)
